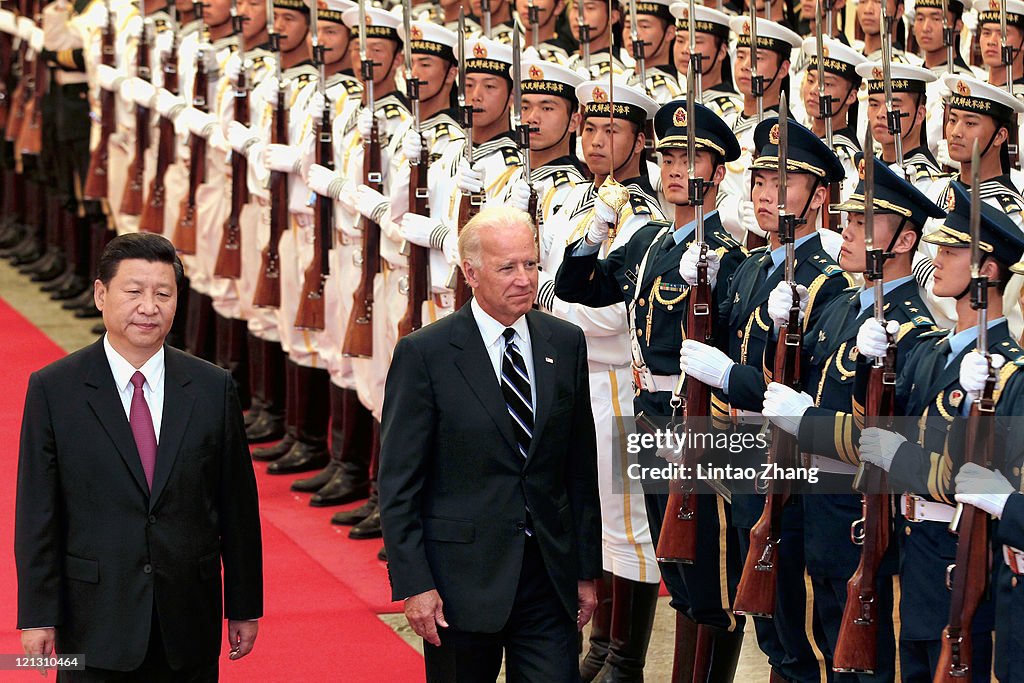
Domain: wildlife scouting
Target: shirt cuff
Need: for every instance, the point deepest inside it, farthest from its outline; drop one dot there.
(584, 248)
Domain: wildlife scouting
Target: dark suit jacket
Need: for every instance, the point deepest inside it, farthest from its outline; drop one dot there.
(97, 552)
(454, 490)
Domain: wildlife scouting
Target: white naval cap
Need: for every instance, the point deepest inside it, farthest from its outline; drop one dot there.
(631, 103)
(904, 77)
(706, 19)
(332, 10)
(770, 35)
(430, 39)
(840, 59)
(379, 24)
(542, 77)
(973, 95)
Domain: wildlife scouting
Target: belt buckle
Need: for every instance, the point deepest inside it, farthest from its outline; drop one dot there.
(910, 502)
(638, 378)
(1014, 559)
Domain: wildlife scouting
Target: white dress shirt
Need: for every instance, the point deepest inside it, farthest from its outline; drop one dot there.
(152, 390)
(491, 331)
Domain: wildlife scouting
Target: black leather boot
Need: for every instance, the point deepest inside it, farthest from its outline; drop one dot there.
(271, 422)
(370, 526)
(600, 630)
(309, 452)
(718, 653)
(324, 476)
(289, 397)
(257, 387)
(231, 352)
(684, 650)
(633, 605)
(350, 448)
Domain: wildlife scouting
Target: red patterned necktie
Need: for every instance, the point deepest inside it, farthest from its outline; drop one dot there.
(141, 422)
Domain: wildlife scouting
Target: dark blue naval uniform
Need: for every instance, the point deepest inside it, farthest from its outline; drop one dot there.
(831, 429)
(659, 322)
(784, 639)
(925, 465)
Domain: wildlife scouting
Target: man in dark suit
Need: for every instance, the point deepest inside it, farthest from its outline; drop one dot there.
(134, 486)
(488, 473)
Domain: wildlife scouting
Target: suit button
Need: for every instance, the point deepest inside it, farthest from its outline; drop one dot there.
(641, 302)
(152, 519)
(520, 526)
(1013, 582)
(906, 530)
(147, 569)
(639, 333)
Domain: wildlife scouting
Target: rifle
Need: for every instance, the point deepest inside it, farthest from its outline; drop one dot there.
(96, 179)
(470, 203)
(185, 230)
(533, 21)
(523, 130)
(131, 200)
(419, 256)
(229, 255)
(359, 334)
(268, 286)
(969, 577)
(637, 46)
(30, 137)
(893, 117)
(485, 10)
(756, 591)
(757, 90)
(1007, 51)
(16, 118)
(152, 219)
(584, 35)
(6, 73)
(856, 648)
(826, 114)
(310, 315)
(678, 539)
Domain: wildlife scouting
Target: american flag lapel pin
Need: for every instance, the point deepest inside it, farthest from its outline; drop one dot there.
(549, 360)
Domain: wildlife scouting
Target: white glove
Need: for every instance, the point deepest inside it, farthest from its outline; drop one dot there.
(8, 22)
(138, 91)
(370, 203)
(240, 136)
(412, 145)
(688, 265)
(232, 68)
(468, 179)
(781, 300)
(107, 76)
(210, 62)
(519, 195)
(785, 407)
(215, 137)
(704, 363)
(25, 26)
(319, 179)
(970, 19)
(670, 454)
(942, 155)
(167, 102)
(450, 247)
(974, 372)
(601, 224)
(872, 340)
(985, 489)
(316, 105)
(35, 40)
(419, 230)
(281, 158)
(365, 122)
(879, 446)
(192, 120)
(748, 217)
(303, 220)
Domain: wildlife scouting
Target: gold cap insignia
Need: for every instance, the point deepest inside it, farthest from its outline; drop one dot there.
(599, 95)
(746, 27)
(415, 33)
(479, 51)
(962, 88)
(876, 74)
(536, 73)
(993, 5)
(860, 169)
(773, 135)
(824, 50)
(369, 19)
(679, 118)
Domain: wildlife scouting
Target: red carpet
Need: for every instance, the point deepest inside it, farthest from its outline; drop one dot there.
(322, 590)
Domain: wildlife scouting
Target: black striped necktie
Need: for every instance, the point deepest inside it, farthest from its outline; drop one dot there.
(515, 385)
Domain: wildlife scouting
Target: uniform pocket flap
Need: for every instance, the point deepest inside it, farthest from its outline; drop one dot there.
(451, 530)
(81, 569)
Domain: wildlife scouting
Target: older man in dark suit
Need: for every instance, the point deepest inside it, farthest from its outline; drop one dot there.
(134, 486)
(488, 479)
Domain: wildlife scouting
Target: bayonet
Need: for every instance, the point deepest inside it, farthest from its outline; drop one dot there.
(533, 21)
(824, 99)
(638, 46)
(485, 10)
(979, 282)
(947, 36)
(584, 30)
(893, 116)
(522, 129)
(756, 80)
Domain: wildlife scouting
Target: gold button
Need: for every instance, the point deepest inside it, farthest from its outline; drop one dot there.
(669, 307)
(1016, 471)
(739, 334)
(906, 530)
(1013, 582)
(641, 302)
(623, 286)
(639, 332)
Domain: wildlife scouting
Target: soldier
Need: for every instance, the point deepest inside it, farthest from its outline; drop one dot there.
(775, 47)
(921, 462)
(990, 40)
(869, 21)
(792, 643)
(551, 46)
(928, 25)
(656, 29)
(652, 274)
(712, 42)
(831, 364)
(605, 52)
(500, 20)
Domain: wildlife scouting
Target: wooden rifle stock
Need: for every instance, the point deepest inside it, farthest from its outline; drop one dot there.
(857, 645)
(131, 199)
(310, 315)
(755, 594)
(30, 137)
(468, 207)
(185, 232)
(96, 179)
(6, 62)
(268, 286)
(419, 257)
(229, 255)
(18, 98)
(678, 539)
(152, 219)
(359, 333)
(969, 577)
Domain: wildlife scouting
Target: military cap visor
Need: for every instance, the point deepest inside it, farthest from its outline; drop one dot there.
(807, 153)
(710, 131)
(893, 195)
(1000, 237)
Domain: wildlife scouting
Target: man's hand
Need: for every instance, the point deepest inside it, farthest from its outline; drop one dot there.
(879, 446)
(423, 612)
(38, 641)
(586, 592)
(241, 637)
(780, 302)
(988, 490)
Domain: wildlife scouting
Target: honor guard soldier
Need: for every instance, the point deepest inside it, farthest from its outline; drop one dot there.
(928, 32)
(601, 54)
(551, 110)
(923, 463)
(775, 48)
(652, 275)
(655, 30)
(750, 311)
(496, 24)
(869, 25)
(546, 14)
(826, 415)
(712, 42)
(990, 40)
(620, 634)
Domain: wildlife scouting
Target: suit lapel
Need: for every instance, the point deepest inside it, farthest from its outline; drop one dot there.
(544, 382)
(475, 366)
(105, 403)
(178, 401)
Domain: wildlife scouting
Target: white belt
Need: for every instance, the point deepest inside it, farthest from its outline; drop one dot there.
(830, 465)
(917, 509)
(644, 379)
(1014, 559)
